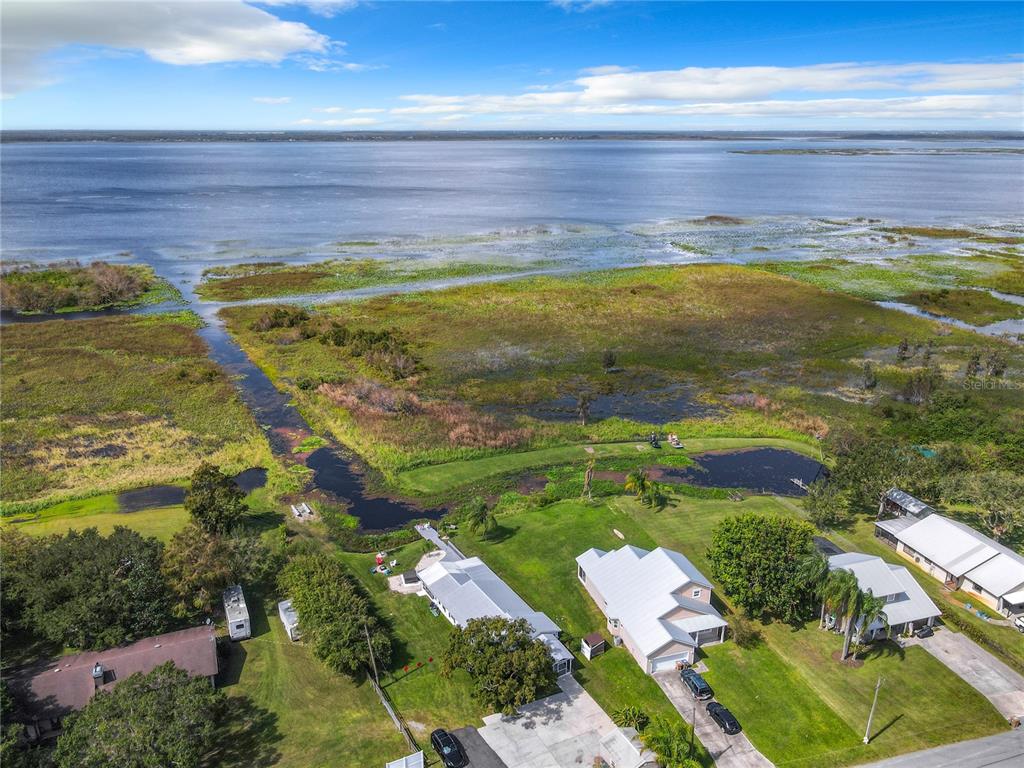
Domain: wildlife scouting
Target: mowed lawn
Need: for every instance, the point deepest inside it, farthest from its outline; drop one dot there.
(444, 477)
(101, 512)
(298, 713)
(797, 705)
(535, 554)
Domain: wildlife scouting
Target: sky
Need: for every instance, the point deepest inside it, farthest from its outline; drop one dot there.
(572, 65)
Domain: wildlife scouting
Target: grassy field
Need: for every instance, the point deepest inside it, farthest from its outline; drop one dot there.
(302, 714)
(250, 281)
(974, 307)
(797, 705)
(94, 406)
(541, 568)
(101, 512)
(439, 478)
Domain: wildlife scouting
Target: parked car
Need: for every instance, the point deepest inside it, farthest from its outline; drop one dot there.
(723, 718)
(698, 686)
(448, 748)
(924, 631)
(1019, 623)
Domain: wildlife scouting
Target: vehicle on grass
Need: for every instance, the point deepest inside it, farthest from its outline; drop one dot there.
(723, 718)
(698, 686)
(924, 631)
(448, 748)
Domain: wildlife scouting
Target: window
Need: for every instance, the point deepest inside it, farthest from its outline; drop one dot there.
(581, 573)
(696, 593)
(614, 623)
(240, 626)
(975, 588)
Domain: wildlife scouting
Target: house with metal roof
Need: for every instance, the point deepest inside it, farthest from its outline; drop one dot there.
(468, 589)
(960, 557)
(49, 690)
(907, 607)
(657, 604)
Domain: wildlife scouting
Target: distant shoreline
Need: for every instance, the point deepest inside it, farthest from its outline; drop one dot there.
(122, 136)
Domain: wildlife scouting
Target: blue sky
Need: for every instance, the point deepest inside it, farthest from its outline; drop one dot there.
(349, 65)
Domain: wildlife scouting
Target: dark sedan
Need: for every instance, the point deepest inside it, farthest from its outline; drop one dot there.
(698, 686)
(448, 748)
(723, 718)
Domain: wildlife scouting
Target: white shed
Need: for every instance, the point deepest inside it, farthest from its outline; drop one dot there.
(290, 619)
(237, 613)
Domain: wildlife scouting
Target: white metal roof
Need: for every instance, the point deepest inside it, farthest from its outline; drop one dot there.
(1001, 574)
(468, 589)
(1014, 598)
(234, 604)
(642, 587)
(897, 524)
(954, 547)
(913, 505)
(911, 602)
(409, 761)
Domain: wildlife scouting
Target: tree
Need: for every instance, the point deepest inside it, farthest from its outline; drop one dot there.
(478, 517)
(825, 504)
(588, 480)
(335, 614)
(868, 378)
(671, 741)
(973, 365)
(608, 360)
(509, 668)
(638, 483)
(630, 717)
(867, 465)
(583, 402)
(872, 609)
(757, 558)
(813, 571)
(903, 350)
(18, 550)
(85, 590)
(163, 718)
(197, 567)
(844, 598)
(998, 497)
(214, 500)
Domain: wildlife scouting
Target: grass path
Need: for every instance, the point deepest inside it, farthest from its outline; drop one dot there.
(102, 513)
(439, 478)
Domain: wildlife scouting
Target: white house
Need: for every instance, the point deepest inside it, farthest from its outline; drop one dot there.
(959, 556)
(467, 589)
(237, 613)
(907, 607)
(657, 603)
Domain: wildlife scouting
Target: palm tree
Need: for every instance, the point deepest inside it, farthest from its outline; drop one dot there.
(671, 741)
(835, 590)
(638, 483)
(478, 517)
(872, 609)
(813, 571)
(583, 401)
(630, 717)
(853, 608)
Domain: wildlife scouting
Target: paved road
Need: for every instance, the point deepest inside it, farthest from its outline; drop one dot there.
(728, 751)
(1004, 750)
(478, 751)
(979, 669)
(428, 532)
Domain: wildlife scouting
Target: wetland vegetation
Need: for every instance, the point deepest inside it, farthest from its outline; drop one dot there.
(73, 287)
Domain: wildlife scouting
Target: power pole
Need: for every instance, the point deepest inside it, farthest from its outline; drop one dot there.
(373, 661)
(871, 714)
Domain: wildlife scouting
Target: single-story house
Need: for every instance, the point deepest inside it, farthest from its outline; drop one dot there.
(290, 619)
(897, 502)
(49, 690)
(907, 607)
(467, 589)
(237, 613)
(658, 605)
(960, 557)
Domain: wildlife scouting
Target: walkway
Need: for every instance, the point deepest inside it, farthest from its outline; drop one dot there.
(428, 532)
(1004, 750)
(978, 668)
(727, 751)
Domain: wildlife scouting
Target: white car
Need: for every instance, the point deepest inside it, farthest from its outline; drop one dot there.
(1019, 623)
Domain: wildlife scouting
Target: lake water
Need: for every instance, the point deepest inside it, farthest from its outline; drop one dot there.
(604, 200)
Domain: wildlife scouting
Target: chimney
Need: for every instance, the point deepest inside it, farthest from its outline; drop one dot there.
(97, 674)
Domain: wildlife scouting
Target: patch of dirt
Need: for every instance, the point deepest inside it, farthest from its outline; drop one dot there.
(852, 661)
(533, 484)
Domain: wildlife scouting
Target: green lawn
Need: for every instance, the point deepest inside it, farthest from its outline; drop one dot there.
(101, 512)
(798, 706)
(541, 568)
(444, 477)
(305, 716)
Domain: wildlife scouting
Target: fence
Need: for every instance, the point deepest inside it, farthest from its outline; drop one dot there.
(394, 714)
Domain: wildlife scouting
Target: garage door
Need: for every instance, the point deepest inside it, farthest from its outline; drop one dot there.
(668, 663)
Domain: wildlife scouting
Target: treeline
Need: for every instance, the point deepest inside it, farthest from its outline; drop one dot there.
(97, 285)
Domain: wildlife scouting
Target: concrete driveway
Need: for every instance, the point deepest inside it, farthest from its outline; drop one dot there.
(728, 751)
(978, 668)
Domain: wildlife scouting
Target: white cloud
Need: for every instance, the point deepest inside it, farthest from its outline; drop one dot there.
(579, 5)
(368, 111)
(272, 99)
(179, 33)
(990, 90)
(329, 110)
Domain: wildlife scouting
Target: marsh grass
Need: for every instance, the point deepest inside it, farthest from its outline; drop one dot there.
(108, 404)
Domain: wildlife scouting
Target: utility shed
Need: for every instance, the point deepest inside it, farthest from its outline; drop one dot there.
(290, 619)
(237, 613)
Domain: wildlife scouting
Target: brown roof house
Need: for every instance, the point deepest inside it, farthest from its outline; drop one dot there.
(49, 690)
